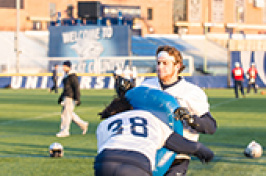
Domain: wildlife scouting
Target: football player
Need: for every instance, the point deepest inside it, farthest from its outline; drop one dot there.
(238, 76)
(55, 78)
(252, 74)
(128, 138)
(188, 95)
(124, 81)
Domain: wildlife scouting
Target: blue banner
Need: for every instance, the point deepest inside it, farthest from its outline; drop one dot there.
(89, 41)
(99, 82)
(104, 82)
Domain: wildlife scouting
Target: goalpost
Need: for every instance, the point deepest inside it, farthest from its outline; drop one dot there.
(105, 65)
(145, 65)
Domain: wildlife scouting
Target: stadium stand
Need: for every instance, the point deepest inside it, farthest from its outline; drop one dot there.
(34, 47)
(196, 46)
(215, 54)
(142, 46)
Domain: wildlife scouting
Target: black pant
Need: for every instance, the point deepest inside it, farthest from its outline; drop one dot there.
(54, 87)
(179, 167)
(118, 169)
(250, 85)
(112, 162)
(239, 84)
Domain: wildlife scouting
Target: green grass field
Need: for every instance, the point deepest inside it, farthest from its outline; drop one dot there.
(29, 120)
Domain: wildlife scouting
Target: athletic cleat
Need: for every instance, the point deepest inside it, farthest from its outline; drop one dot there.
(62, 134)
(85, 129)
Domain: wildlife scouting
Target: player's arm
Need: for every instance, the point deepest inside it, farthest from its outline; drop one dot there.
(76, 91)
(179, 144)
(204, 124)
(61, 97)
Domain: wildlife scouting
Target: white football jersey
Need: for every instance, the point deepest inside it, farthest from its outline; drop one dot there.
(134, 130)
(189, 96)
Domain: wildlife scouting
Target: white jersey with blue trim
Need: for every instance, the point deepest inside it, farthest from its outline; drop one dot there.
(188, 95)
(134, 130)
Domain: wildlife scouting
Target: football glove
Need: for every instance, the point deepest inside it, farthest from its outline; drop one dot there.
(124, 86)
(184, 115)
(204, 154)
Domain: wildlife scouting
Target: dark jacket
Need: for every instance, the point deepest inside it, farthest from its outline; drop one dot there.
(71, 87)
(54, 75)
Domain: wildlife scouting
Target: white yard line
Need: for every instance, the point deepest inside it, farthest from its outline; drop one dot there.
(34, 118)
(224, 102)
(58, 113)
(218, 158)
(28, 119)
(45, 156)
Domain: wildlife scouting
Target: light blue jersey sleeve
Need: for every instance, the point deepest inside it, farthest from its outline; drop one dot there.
(165, 157)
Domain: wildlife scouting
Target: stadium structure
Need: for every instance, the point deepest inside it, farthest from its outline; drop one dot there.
(211, 33)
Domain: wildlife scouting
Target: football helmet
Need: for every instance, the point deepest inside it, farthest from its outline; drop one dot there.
(253, 150)
(56, 150)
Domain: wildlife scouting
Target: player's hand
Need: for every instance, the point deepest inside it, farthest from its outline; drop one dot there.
(204, 154)
(182, 113)
(77, 102)
(59, 100)
(124, 86)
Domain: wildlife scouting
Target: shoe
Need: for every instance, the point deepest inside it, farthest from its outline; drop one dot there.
(62, 134)
(85, 128)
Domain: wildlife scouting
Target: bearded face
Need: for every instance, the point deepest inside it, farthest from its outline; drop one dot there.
(167, 71)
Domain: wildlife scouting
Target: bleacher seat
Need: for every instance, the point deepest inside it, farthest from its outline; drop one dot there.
(198, 47)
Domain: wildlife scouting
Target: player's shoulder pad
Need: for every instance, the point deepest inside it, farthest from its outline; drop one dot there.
(194, 90)
(151, 82)
(153, 100)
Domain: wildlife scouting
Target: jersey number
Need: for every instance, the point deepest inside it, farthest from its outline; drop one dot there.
(135, 124)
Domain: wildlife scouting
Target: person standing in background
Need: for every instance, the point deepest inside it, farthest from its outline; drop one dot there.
(252, 75)
(55, 78)
(69, 98)
(238, 76)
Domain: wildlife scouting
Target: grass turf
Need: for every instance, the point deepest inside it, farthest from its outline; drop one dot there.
(29, 120)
